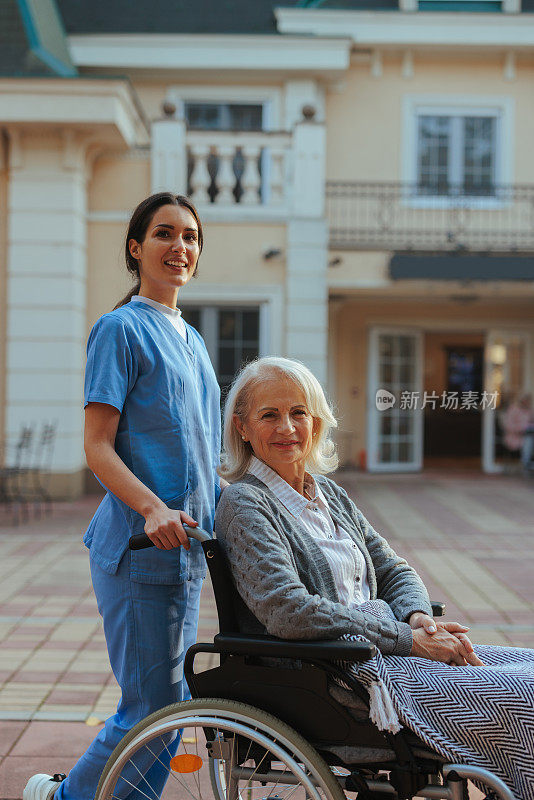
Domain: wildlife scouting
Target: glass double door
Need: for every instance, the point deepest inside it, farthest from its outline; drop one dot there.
(395, 420)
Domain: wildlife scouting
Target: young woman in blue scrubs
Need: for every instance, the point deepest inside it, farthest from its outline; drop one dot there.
(152, 438)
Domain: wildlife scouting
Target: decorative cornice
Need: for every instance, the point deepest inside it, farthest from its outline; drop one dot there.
(108, 106)
(387, 28)
(201, 53)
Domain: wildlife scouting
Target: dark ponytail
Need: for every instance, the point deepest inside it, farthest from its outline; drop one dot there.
(139, 222)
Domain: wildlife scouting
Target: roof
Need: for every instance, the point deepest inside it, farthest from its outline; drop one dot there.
(183, 16)
(32, 40)
(171, 16)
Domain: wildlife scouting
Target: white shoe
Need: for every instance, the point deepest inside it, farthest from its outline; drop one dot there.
(42, 787)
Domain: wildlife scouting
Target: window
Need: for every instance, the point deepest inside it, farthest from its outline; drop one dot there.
(225, 116)
(457, 155)
(232, 337)
(460, 5)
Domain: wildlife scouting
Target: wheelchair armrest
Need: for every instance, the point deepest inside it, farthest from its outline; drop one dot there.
(320, 650)
(438, 609)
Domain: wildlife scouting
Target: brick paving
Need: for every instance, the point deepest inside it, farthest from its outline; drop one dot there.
(468, 535)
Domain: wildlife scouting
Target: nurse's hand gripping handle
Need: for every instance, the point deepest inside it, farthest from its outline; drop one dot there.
(140, 541)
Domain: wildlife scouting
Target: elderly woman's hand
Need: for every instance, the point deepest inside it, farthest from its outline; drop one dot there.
(444, 645)
(421, 620)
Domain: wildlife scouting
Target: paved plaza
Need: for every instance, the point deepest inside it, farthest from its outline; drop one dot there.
(468, 535)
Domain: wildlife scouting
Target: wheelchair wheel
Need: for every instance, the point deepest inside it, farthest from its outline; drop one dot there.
(207, 748)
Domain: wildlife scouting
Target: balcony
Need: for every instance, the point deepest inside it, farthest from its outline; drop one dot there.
(241, 170)
(397, 216)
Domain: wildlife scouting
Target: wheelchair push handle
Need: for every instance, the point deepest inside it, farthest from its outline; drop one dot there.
(140, 541)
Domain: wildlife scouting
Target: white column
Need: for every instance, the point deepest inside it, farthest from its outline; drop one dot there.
(299, 93)
(307, 252)
(46, 278)
(200, 177)
(168, 156)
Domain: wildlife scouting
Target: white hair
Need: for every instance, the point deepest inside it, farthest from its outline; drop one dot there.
(237, 453)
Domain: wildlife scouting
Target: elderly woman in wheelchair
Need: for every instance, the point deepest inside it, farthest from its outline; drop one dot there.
(334, 678)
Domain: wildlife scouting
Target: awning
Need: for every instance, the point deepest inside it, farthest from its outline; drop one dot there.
(451, 267)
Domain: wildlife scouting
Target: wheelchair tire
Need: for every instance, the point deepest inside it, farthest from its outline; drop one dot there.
(281, 764)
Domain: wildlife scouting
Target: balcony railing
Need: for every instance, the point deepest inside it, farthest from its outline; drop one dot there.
(229, 168)
(398, 216)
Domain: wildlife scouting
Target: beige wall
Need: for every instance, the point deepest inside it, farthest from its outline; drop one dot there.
(107, 278)
(365, 117)
(350, 321)
(3, 280)
(119, 181)
(231, 256)
(358, 268)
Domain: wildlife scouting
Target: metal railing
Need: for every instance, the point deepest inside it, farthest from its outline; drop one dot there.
(401, 216)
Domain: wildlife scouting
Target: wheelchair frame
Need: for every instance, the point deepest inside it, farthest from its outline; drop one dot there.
(294, 691)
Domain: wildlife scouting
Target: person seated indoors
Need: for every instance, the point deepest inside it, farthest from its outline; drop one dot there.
(308, 565)
(518, 426)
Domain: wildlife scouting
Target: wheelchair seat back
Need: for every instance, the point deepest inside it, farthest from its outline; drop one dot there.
(295, 691)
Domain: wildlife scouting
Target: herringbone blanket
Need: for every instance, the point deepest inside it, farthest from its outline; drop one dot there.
(483, 716)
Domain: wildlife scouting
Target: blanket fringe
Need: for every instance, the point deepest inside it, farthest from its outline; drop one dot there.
(381, 709)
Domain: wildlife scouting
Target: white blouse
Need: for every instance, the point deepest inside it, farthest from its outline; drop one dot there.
(344, 557)
(174, 315)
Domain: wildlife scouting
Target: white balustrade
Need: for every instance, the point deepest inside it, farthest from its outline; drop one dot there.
(233, 169)
(225, 179)
(278, 178)
(251, 178)
(200, 178)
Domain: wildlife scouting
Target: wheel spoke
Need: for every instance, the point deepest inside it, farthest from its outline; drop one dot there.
(197, 774)
(277, 786)
(143, 777)
(249, 755)
(172, 773)
(196, 777)
(293, 790)
(137, 789)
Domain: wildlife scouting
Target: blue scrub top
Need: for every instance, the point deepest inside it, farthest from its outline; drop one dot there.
(168, 434)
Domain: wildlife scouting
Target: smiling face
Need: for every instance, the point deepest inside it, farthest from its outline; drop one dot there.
(168, 254)
(279, 426)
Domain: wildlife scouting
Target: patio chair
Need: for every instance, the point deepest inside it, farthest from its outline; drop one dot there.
(41, 468)
(14, 474)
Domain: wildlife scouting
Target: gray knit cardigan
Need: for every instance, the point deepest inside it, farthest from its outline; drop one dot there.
(286, 582)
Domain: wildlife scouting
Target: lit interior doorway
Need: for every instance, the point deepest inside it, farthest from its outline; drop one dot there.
(507, 357)
(453, 385)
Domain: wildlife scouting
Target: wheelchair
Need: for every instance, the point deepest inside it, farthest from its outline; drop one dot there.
(270, 722)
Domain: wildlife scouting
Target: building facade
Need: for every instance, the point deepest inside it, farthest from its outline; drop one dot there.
(364, 174)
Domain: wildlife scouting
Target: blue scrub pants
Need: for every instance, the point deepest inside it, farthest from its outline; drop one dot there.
(148, 629)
